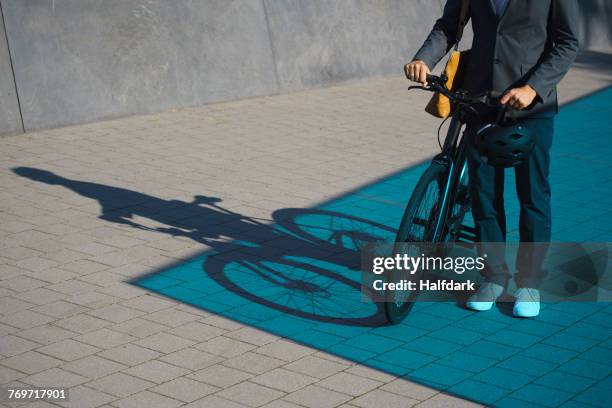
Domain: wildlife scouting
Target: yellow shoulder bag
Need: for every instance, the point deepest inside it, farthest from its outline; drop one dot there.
(440, 105)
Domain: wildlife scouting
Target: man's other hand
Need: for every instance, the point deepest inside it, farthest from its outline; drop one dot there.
(519, 98)
(417, 71)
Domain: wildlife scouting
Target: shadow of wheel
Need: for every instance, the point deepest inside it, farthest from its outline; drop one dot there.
(331, 229)
(305, 288)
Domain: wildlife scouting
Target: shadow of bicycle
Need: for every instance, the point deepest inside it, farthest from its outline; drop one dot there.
(302, 263)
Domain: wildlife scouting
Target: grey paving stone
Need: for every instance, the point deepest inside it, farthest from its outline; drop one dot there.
(60, 309)
(81, 323)
(371, 373)
(12, 345)
(184, 389)
(92, 299)
(54, 275)
(221, 322)
(220, 376)
(164, 342)
(55, 377)
(40, 296)
(198, 331)
(93, 248)
(157, 371)
(105, 338)
(171, 317)
(281, 404)
(116, 313)
(317, 397)
(25, 319)
(85, 397)
(31, 362)
(252, 336)
(315, 367)
(285, 350)
(191, 359)
(34, 264)
(93, 367)
(284, 380)
(22, 283)
(120, 384)
(38, 404)
(383, 399)
(147, 399)
(68, 350)
(139, 327)
(410, 389)
(46, 334)
(349, 384)
(12, 305)
(224, 347)
(122, 290)
(250, 394)
(83, 267)
(103, 278)
(129, 354)
(148, 303)
(8, 375)
(253, 363)
(212, 401)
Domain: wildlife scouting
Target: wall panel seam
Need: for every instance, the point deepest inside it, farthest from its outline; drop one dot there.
(272, 49)
(10, 55)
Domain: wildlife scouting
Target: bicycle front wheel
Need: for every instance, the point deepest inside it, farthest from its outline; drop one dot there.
(425, 207)
(418, 224)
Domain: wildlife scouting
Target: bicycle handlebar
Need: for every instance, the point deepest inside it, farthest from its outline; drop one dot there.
(438, 84)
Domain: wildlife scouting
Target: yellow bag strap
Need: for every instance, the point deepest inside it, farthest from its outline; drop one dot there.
(463, 19)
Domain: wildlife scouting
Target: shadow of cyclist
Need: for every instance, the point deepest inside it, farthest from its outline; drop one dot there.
(264, 249)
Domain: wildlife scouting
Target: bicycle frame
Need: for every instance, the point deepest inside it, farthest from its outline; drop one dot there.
(453, 155)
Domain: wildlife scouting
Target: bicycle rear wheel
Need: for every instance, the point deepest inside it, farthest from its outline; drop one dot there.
(418, 225)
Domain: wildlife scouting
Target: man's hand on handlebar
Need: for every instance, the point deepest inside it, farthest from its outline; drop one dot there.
(417, 71)
(519, 98)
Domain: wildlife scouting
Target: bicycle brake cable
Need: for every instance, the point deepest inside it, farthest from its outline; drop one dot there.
(439, 129)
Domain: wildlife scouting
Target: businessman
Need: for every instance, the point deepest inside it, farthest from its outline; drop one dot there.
(522, 48)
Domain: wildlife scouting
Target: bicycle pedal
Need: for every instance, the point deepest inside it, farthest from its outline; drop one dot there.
(467, 229)
(466, 233)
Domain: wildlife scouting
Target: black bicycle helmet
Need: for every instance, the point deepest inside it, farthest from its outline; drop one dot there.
(504, 146)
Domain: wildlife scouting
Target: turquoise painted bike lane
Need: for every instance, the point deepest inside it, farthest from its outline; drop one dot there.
(298, 278)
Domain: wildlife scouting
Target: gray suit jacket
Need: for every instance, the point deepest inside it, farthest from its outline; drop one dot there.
(534, 42)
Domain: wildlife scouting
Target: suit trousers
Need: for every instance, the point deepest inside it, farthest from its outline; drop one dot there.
(534, 194)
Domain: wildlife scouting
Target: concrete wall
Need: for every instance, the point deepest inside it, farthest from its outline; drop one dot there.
(83, 60)
(10, 119)
(596, 16)
(319, 42)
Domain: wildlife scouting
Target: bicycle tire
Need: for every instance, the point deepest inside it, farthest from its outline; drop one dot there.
(437, 173)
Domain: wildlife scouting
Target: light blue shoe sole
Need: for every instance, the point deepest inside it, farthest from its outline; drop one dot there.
(479, 306)
(526, 309)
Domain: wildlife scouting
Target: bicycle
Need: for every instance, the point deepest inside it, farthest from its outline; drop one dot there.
(441, 199)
